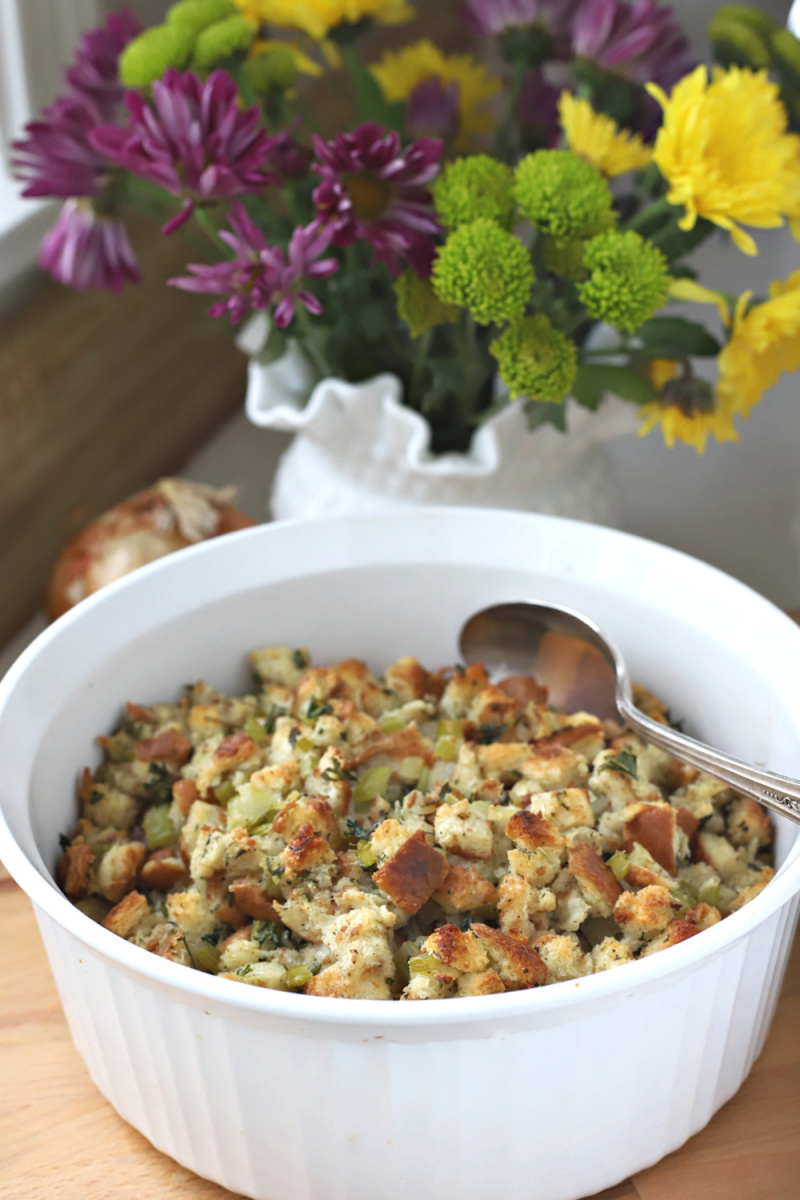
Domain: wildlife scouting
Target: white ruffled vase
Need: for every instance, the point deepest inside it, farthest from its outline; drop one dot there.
(358, 450)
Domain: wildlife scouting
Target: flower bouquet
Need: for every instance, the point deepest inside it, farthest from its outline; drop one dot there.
(478, 218)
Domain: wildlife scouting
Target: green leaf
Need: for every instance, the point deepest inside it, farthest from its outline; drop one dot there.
(543, 412)
(672, 337)
(593, 381)
(677, 242)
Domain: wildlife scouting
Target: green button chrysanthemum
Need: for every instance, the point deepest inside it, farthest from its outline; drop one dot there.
(275, 68)
(195, 15)
(222, 41)
(148, 56)
(628, 279)
(562, 194)
(478, 186)
(419, 306)
(484, 269)
(536, 360)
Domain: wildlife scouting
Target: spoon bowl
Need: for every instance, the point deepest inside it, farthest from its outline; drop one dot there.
(583, 669)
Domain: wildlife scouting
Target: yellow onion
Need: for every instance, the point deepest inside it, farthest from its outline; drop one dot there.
(168, 516)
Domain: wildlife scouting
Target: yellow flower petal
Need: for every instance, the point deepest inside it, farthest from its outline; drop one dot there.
(318, 17)
(726, 154)
(688, 289)
(694, 429)
(400, 73)
(599, 139)
(764, 343)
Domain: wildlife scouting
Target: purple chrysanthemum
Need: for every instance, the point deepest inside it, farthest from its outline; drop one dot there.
(87, 250)
(371, 189)
(641, 41)
(432, 108)
(194, 141)
(288, 157)
(56, 157)
(260, 275)
(491, 18)
(94, 74)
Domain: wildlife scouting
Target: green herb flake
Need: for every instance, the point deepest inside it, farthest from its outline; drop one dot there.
(158, 784)
(624, 761)
(300, 659)
(316, 709)
(63, 841)
(337, 771)
(489, 733)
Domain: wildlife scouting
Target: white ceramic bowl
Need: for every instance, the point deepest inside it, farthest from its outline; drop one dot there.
(549, 1094)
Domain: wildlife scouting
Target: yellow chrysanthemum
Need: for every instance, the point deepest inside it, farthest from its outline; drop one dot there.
(693, 428)
(662, 370)
(599, 139)
(400, 73)
(725, 152)
(318, 17)
(763, 339)
(764, 342)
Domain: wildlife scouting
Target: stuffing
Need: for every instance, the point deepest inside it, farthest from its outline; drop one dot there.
(462, 831)
(464, 889)
(658, 829)
(642, 915)
(118, 869)
(412, 874)
(563, 957)
(126, 916)
(567, 809)
(597, 884)
(413, 836)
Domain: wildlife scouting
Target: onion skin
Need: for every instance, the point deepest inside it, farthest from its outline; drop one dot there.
(137, 531)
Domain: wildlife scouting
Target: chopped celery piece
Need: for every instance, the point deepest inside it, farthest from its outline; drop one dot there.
(424, 779)
(450, 729)
(424, 964)
(687, 895)
(206, 957)
(401, 957)
(410, 769)
(224, 793)
(158, 826)
(480, 806)
(391, 723)
(251, 806)
(256, 730)
(708, 892)
(372, 783)
(365, 854)
(618, 865)
(446, 748)
(297, 977)
(304, 744)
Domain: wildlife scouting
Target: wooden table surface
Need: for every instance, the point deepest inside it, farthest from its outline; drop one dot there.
(60, 1140)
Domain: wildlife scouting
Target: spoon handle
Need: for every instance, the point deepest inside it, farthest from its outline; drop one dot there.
(777, 792)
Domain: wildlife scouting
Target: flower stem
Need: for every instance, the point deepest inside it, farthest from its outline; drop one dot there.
(507, 133)
(650, 215)
(208, 227)
(305, 335)
(418, 364)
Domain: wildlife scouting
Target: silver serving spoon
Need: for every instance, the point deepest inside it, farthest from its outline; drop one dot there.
(583, 669)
